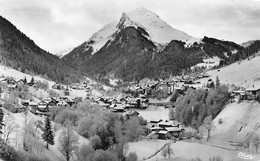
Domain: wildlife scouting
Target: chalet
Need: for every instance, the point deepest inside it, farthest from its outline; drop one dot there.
(11, 87)
(253, 92)
(43, 106)
(240, 94)
(174, 131)
(171, 123)
(165, 124)
(70, 102)
(163, 134)
(53, 102)
(33, 107)
(118, 108)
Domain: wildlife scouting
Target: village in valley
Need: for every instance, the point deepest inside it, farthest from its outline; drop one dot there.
(152, 100)
(136, 90)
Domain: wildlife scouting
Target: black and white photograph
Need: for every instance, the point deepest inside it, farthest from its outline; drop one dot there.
(129, 80)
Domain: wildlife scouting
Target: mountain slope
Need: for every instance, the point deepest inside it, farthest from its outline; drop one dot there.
(21, 53)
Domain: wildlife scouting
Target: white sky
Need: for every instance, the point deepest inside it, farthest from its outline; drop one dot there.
(57, 25)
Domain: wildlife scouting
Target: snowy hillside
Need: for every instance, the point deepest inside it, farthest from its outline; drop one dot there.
(158, 31)
(10, 72)
(244, 74)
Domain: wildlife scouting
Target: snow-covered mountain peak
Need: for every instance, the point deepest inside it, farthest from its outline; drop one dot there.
(158, 30)
(125, 21)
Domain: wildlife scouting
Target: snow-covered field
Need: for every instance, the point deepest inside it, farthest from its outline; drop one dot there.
(145, 148)
(185, 151)
(155, 113)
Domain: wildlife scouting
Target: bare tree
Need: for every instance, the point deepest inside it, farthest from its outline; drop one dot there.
(207, 124)
(9, 128)
(167, 151)
(68, 142)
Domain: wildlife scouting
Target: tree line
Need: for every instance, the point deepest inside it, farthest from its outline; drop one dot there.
(192, 108)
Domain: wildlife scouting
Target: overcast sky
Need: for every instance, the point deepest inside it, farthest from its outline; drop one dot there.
(57, 25)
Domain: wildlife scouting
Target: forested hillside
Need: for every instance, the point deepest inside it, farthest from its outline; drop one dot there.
(21, 53)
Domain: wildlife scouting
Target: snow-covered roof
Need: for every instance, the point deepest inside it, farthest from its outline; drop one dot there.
(173, 129)
(253, 88)
(33, 104)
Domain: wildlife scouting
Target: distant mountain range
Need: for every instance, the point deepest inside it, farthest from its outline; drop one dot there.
(139, 45)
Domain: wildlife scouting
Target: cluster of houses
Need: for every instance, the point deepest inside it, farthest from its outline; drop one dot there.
(12, 83)
(168, 129)
(121, 104)
(43, 106)
(167, 87)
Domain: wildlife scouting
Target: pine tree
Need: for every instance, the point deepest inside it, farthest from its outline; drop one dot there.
(217, 82)
(25, 80)
(1, 120)
(32, 81)
(48, 134)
